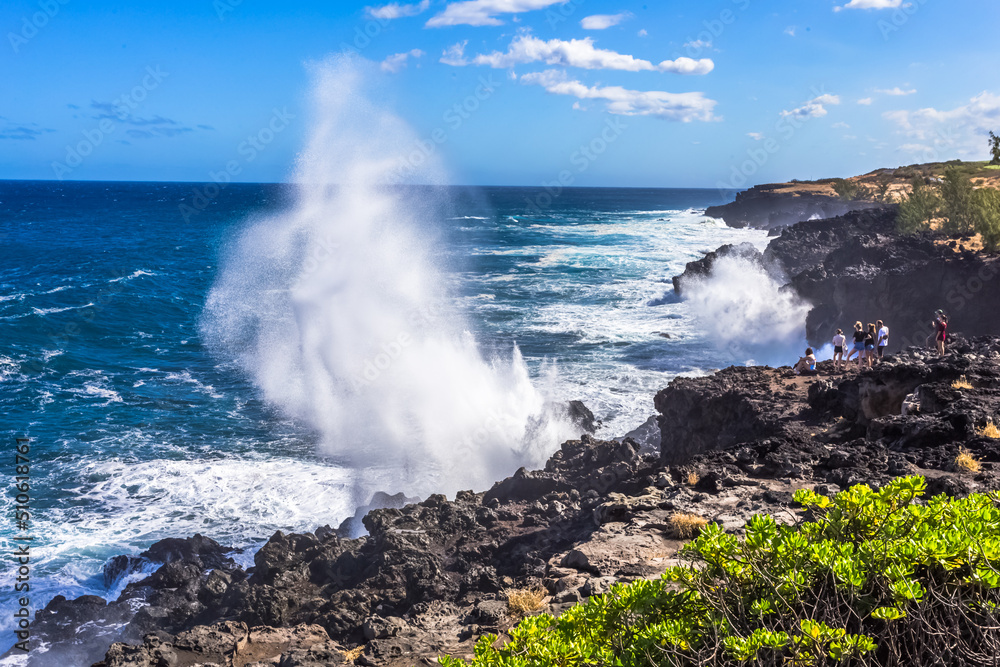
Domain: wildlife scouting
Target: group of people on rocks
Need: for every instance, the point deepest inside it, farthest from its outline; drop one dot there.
(868, 344)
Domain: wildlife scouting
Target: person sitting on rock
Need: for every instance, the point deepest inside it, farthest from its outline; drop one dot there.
(859, 343)
(942, 333)
(870, 337)
(839, 342)
(882, 341)
(806, 365)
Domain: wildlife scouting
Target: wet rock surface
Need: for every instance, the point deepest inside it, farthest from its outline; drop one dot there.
(430, 577)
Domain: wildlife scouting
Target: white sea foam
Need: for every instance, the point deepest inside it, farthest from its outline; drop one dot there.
(135, 274)
(50, 311)
(746, 311)
(337, 314)
(8, 368)
(119, 506)
(100, 390)
(186, 377)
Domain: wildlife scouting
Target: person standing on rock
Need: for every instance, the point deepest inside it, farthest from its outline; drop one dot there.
(883, 339)
(859, 343)
(839, 342)
(938, 314)
(942, 333)
(869, 345)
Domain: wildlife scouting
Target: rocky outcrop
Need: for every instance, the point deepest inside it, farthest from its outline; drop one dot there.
(901, 280)
(779, 205)
(428, 578)
(705, 414)
(903, 417)
(857, 268)
(807, 244)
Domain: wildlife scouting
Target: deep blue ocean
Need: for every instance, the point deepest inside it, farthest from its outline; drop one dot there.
(140, 430)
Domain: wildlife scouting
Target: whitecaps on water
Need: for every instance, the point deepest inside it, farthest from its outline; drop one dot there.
(50, 311)
(135, 274)
(186, 377)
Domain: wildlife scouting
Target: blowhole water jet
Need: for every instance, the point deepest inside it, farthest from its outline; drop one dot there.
(337, 313)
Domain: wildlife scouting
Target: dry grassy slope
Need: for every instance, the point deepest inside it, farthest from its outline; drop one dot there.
(983, 175)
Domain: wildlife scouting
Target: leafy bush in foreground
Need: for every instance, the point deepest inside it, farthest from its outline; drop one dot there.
(872, 578)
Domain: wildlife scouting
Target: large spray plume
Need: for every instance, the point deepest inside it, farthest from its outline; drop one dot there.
(746, 310)
(335, 311)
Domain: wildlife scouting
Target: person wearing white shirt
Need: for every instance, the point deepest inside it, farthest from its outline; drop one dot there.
(883, 339)
(839, 343)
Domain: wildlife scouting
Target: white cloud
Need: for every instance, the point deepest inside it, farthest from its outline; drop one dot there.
(915, 148)
(582, 53)
(756, 136)
(604, 21)
(683, 107)
(961, 130)
(396, 10)
(871, 4)
(814, 108)
(896, 92)
(454, 55)
(642, 33)
(791, 30)
(840, 126)
(866, 101)
(698, 45)
(483, 12)
(397, 61)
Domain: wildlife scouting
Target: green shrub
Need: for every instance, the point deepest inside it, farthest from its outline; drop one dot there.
(918, 209)
(986, 216)
(851, 191)
(956, 191)
(871, 578)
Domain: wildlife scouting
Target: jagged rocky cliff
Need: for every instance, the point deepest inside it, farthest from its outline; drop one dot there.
(430, 577)
(779, 205)
(857, 268)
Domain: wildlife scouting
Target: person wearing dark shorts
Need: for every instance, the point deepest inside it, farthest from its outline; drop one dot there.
(882, 339)
(870, 345)
(839, 343)
(859, 344)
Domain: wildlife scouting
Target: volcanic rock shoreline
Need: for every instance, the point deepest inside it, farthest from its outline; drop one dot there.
(429, 578)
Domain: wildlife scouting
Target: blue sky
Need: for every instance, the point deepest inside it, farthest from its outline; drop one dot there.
(688, 94)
